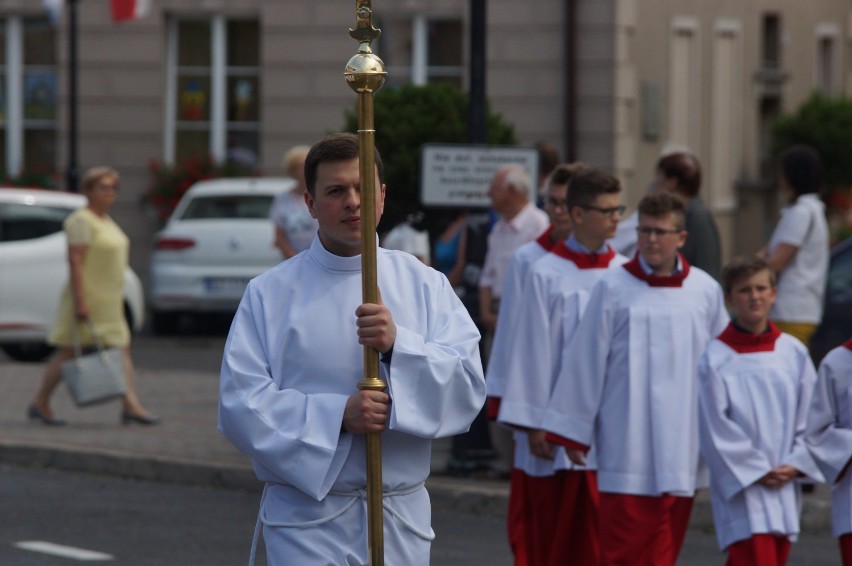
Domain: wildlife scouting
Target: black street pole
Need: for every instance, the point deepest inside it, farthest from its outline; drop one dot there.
(473, 451)
(71, 174)
(477, 131)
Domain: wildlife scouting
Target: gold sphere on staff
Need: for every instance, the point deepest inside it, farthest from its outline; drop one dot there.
(365, 71)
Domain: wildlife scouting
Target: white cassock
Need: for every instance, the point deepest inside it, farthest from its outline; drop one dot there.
(513, 286)
(829, 435)
(555, 294)
(635, 392)
(753, 407)
(292, 360)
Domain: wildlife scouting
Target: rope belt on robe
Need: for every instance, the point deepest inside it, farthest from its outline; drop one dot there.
(355, 496)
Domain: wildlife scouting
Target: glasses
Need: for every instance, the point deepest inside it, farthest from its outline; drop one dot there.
(557, 202)
(608, 211)
(658, 232)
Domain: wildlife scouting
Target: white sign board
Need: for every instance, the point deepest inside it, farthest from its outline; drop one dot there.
(459, 175)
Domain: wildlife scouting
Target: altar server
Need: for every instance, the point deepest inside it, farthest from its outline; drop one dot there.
(292, 361)
(560, 500)
(829, 438)
(555, 205)
(635, 396)
(755, 390)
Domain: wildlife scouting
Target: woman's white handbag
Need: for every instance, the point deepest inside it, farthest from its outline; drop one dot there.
(95, 377)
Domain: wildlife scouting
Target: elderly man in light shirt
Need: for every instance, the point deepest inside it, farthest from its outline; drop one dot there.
(520, 222)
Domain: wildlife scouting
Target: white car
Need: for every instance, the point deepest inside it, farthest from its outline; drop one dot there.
(34, 270)
(218, 237)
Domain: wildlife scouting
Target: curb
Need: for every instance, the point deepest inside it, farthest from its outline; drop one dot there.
(476, 497)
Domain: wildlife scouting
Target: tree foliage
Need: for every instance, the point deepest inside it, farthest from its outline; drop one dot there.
(826, 125)
(406, 117)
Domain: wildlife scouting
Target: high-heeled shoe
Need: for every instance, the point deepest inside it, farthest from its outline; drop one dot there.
(128, 418)
(34, 413)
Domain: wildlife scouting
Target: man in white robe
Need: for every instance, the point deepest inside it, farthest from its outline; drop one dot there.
(292, 361)
(560, 499)
(755, 391)
(635, 397)
(829, 438)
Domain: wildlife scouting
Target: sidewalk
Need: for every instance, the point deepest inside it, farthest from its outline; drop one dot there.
(187, 448)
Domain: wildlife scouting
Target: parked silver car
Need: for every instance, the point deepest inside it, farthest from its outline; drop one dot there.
(218, 237)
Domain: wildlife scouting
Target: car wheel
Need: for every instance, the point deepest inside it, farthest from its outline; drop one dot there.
(164, 322)
(28, 351)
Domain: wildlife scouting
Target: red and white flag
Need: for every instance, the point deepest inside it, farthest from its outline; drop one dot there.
(129, 9)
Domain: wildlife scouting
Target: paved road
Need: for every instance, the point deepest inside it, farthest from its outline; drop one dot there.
(178, 379)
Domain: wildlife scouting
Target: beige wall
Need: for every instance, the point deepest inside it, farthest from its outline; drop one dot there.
(623, 75)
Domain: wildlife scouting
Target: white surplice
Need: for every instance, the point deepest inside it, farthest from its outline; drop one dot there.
(829, 435)
(291, 361)
(753, 408)
(554, 297)
(504, 335)
(634, 357)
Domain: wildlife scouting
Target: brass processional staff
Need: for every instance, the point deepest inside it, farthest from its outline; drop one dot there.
(365, 74)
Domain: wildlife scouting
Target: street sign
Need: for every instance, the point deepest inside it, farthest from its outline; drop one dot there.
(459, 175)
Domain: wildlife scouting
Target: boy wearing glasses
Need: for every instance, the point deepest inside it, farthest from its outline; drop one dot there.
(560, 500)
(755, 387)
(633, 390)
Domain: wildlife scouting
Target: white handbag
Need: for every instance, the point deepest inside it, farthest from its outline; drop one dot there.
(95, 377)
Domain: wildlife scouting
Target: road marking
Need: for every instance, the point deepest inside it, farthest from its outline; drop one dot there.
(63, 551)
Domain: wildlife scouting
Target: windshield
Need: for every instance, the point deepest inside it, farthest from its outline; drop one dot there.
(228, 206)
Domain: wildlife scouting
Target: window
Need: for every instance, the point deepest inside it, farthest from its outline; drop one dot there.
(27, 222)
(213, 90)
(827, 59)
(28, 95)
(423, 50)
(772, 41)
(228, 206)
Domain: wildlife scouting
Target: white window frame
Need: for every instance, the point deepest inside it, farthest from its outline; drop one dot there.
(218, 93)
(829, 32)
(14, 71)
(420, 71)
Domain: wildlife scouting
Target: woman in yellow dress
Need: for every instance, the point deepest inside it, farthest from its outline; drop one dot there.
(97, 258)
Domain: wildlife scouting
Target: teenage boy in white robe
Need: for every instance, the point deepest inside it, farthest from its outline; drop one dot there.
(555, 205)
(755, 391)
(292, 361)
(560, 499)
(634, 397)
(829, 438)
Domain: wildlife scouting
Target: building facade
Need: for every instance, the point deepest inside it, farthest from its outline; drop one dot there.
(610, 82)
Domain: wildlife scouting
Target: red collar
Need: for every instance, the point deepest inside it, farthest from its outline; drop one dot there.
(848, 344)
(675, 280)
(544, 240)
(585, 261)
(746, 342)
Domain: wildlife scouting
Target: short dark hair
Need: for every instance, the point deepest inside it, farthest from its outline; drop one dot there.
(661, 204)
(741, 267)
(684, 167)
(548, 157)
(802, 167)
(588, 183)
(562, 174)
(335, 147)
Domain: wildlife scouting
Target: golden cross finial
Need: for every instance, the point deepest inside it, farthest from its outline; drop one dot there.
(364, 31)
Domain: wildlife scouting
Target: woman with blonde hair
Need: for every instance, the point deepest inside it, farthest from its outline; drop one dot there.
(92, 300)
